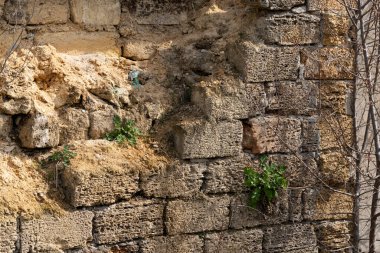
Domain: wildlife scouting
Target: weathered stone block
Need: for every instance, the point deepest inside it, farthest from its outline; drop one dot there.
(293, 97)
(74, 125)
(178, 180)
(335, 168)
(56, 233)
(128, 220)
(297, 238)
(197, 215)
(290, 29)
(202, 139)
(101, 122)
(336, 131)
(272, 134)
(6, 125)
(328, 63)
(244, 241)
(15, 106)
(260, 63)
(229, 99)
(8, 38)
(326, 6)
(173, 244)
(8, 235)
(334, 236)
(138, 50)
(79, 42)
(95, 12)
(335, 29)
(37, 12)
(311, 135)
(295, 204)
(279, 4)
(337, 96)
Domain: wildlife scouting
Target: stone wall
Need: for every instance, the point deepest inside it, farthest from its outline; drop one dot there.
(279, 86)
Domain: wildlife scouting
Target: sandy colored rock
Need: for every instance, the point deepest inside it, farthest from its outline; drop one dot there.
(16, 106)
(311, 135)
(74, 125)
(336, 96)
(326, 6)
(173, 244)
(336, 131)
(335, 168)
(138, 50)
(260, 63)
(198, 215)
(128, 220)
(272, 134)
(334, 236)
(279, 4)
(6, 125)
(335, 29)
(56, 233)
(95, 12)
(8, 235)
(290, 29)
(101, 122)
(8, 38)
(244, 241)
(202, 139)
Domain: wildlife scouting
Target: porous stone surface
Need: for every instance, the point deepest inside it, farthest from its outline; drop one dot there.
(290, 29)
(297, 238)
(336, 96)
(334, 236)
(197, 215)
(173, 244)
(279, 4)
(272, 134)
(74, 125)
(139, 50)
(202, 139)
(128, 220)
(260, 63)
(333, 6)
(244, 241)
(335, 168)
(335, 29)
(56, 233)
(6, 125)
(8, 235)
(13, 106)
(311, 134)
(95, 12)
(101, 122)
(336, 131)
(8, 37)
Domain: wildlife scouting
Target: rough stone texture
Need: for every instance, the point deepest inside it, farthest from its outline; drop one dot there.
(335, 168)
(336, 131)
(244, 241)
(272, 134)
(311, 135)
(297, 238)
(80, 42)
(95, 12)
(335, 29)
(128, 220)
(138, 50)
(15, 106)
(279, 5)
(295, 205)
(8, 37)
(6, 125)
(202, 139)
(326, 6)
(260, 63)
(290, 29)
(173, 244)
(178, 180)
(328, 63)
(37, 12)
(229, 99)
(293, 97)
(198, 215)
(101, 122)
(8, 235)
(334, 236)
(56, 233)
(337, 96)
(74, 125)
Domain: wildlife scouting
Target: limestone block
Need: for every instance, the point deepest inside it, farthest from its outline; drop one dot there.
(56, 233)
(295, 204)
(13, 106)
(335, 168)
(8, 38)
(80, 42)
(333, 6)
(101, 122)
(37, 12)
(229, 98)
(337, 96)
(148, 7)
(178, 180)
(293, 97)
(138, 50)
(8, 235)
(243, 216)
(95, 12)
(272, 134)
(6, 125)
(336, 130)
(197, 215)
(335, 29)
(279, 4)
(173, 244)
(329, 63)
(260, 63)
(128, 220)
(311, 135)
(202, 139)
(297, 238)
(290, 29)
(244, 241)
(74, 125)
(334, 236)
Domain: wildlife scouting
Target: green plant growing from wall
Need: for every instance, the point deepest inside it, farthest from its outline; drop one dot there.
(264, 185)
(125, 130)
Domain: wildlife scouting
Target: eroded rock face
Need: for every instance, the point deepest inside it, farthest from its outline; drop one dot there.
(95, 12)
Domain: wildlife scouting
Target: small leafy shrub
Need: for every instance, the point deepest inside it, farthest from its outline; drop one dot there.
(64, 156)
(125, 130)
(264, 185)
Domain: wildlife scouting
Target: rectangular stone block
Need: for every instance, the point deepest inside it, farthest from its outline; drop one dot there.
(8, 235)
(297, 238)
(74, 125)
(328, 63)
(260, 63)
(272, 134)
(177, 180)
(202, 139)
(334, 236)
(173, 244)
(335, 168)
(278, 4)
(229, 99)
(311, 135)
(337, 96)
(80, 42)
(244, 241)
(128, 220)
(95, 12)
(211, 213)
(335, 29)
(336, 131)
(300, 98)
(290, 29)
(334, 6)
(56, 233)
